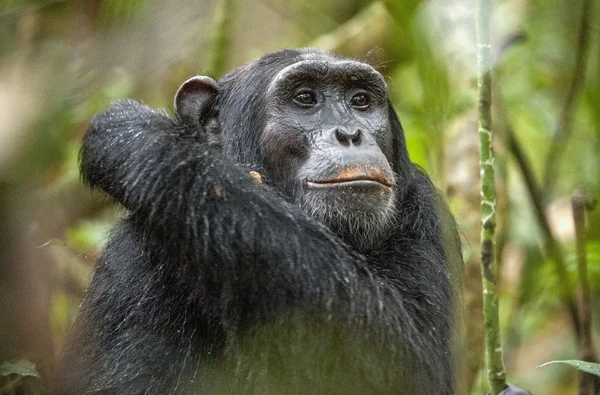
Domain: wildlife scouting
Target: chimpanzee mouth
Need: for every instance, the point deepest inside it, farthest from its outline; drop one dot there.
(346, 183)
(354, 177)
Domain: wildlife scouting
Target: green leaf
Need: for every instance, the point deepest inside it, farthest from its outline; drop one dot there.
(22, 367)
(588, 367)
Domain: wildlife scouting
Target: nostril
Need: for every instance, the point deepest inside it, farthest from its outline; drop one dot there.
(357, 138)
(341, 137)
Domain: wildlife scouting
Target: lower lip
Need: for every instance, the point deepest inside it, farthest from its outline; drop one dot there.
(345, 184)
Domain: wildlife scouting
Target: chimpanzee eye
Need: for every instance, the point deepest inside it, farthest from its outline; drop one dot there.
(360, 100)
(305, 98)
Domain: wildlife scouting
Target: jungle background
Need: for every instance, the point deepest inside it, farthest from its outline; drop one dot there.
(61, 61)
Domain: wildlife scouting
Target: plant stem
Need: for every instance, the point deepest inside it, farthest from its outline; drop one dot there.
(553, 248)
(222, 22)
(565, 122)
(588, 384)
(489, 267)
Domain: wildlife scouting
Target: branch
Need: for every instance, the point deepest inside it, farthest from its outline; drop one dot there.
(588, 383)
(489, 267)
(220, 35)
(565, 122)
(553, 249)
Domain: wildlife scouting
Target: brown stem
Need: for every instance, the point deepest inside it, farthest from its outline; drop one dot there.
(565, 124)
(588, 384)
(554, 251)
(221, 30)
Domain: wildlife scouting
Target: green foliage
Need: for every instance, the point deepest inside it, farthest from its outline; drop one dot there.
(588, 367)
(119, 11)
(89, 234)
(67, 60)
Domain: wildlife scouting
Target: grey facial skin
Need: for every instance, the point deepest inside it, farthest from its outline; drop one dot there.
(333, 116)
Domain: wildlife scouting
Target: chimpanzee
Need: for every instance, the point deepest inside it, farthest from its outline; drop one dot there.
(278, 240)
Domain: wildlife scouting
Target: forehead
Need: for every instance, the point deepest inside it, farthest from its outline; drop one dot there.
(314, 67)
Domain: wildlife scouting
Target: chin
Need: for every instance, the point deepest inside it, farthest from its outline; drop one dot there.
(359, 214)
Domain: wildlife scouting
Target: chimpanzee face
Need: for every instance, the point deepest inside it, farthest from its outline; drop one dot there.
(328, 143)
(323, 130)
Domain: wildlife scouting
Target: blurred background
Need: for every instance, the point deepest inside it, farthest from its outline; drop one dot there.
(61, 61)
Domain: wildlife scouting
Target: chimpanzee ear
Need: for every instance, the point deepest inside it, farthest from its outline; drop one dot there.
(195, 99)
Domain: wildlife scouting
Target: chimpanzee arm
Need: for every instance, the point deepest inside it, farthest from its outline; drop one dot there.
(257, 256)
(208, 209)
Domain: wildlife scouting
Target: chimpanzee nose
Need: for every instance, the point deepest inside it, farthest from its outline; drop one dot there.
(347, 137)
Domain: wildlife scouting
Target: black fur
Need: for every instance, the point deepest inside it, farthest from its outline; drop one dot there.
(214, 283)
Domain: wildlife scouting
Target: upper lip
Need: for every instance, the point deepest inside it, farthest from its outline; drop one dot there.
(357, 174)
